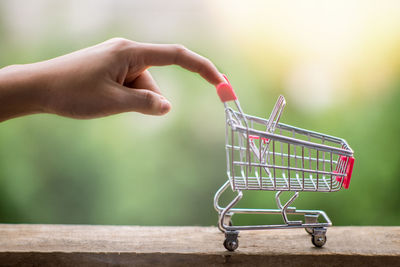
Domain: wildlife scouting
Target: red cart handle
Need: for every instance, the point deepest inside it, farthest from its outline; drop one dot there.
(225, 91)
(349, 171)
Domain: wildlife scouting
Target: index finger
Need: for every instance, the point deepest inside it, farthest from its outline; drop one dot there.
(166, 54)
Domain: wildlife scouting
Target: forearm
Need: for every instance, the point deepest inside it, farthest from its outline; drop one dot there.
(105, 79)
(21, 91)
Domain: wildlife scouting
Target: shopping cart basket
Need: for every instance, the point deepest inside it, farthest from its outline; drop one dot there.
(263, 154)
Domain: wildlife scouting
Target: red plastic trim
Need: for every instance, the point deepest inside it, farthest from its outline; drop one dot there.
(252, 137)
(225, 91)
(349, 171)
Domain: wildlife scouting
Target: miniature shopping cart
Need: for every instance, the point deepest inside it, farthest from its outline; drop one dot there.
(263, 154)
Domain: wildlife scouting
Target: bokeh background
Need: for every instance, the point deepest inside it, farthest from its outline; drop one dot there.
(337, 63)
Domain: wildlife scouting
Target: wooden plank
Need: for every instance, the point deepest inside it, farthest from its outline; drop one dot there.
(97, 245)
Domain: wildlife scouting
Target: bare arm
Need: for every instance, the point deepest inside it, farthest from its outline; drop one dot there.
(101, 80)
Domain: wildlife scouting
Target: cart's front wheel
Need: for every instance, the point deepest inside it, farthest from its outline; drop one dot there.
(318, 241)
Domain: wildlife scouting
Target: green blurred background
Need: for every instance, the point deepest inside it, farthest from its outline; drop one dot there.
(337, 63)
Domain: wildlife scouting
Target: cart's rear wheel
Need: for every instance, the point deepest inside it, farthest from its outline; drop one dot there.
(231, 245)
(231, 242)
(318, 241)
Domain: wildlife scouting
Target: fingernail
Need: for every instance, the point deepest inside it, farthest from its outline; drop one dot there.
(165, 106)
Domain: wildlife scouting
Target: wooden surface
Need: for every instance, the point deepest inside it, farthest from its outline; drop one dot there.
(97, 245)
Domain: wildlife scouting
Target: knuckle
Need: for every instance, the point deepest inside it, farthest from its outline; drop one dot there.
(204, 66)
(119, 44)
(149, 101)
(179, 50)
(208, 62)
(118, 40)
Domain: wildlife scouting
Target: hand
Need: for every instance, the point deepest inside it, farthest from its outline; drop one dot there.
(101, 80)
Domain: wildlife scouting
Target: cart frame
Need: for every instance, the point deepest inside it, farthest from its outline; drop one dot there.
(251, 153)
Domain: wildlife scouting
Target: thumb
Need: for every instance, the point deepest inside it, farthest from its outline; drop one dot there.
(147, 102)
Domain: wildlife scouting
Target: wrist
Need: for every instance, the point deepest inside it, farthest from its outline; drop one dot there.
(22, 91)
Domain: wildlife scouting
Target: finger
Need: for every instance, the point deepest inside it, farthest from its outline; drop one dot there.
(145, 80)
(144, 101)
(164, 54)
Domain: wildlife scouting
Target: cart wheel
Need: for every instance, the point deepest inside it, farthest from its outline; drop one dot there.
(318, 241)
(231, 240)
(231, 245)
(310, 218)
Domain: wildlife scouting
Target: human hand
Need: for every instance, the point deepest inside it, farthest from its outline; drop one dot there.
(101, 80)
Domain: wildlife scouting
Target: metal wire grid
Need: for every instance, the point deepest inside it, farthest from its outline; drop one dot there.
(291, 159)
